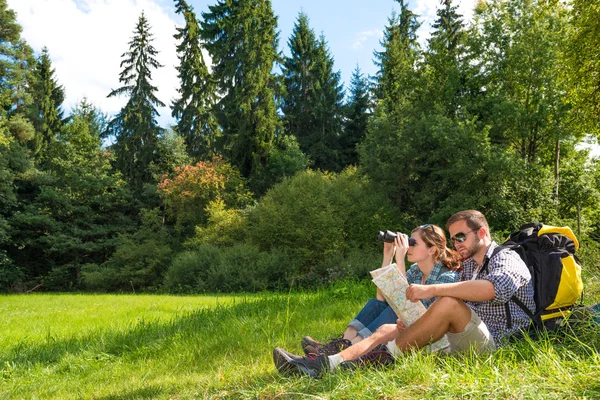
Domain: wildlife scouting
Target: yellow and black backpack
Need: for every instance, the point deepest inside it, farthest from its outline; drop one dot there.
(549, 253)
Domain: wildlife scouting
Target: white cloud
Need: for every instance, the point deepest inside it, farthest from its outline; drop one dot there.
(99, 31)
(362, 37)
(426, 10)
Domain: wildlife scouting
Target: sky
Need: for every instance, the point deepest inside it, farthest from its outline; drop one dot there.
(86, 45)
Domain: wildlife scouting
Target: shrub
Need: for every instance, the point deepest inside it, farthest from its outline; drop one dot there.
(189, 271)
(224, 227)
(317, 218)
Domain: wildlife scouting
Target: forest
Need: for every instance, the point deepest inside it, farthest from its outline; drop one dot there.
(274, 174)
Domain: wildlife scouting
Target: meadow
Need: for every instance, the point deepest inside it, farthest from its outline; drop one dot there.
(85, 346)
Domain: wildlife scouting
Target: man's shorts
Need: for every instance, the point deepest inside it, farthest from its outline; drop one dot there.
(475, 335)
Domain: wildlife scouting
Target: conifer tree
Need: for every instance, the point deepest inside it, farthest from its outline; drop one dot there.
(241, 37)
(48, 98)
(357, 116)
(135, 127)
(312, 103)
(193, 109)
(446, 72)
(299, 78)
(396, 78)
(16, 132)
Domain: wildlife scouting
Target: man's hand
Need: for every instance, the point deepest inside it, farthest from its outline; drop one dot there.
(415, 293)
(388, 332)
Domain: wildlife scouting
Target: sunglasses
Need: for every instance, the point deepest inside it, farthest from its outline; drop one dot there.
(428, 226)
(461, 237)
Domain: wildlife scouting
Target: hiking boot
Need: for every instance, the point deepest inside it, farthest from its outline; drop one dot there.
(311, 346)
(380, 355)
(312, 365)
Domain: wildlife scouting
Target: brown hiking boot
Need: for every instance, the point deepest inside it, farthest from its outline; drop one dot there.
(380, 355)
(311, 346)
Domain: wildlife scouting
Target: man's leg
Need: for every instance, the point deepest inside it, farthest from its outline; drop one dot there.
(446, 314)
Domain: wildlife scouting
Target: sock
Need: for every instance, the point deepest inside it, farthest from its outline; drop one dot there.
(334, 361)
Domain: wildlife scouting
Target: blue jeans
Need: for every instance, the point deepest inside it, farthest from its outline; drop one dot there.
(374, 314)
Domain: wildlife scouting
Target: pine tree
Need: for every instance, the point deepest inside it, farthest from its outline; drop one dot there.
(194, 108)
(357, 116)
(312, 103)
(444, 59)
(396, 78)
(135, 127)
(16, 132)
(241, 37)
(48, 98)
(299, 78)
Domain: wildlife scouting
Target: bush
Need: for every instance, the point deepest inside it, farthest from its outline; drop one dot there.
(317, 218)
(189, 271)
(224, 227)
(241, 267)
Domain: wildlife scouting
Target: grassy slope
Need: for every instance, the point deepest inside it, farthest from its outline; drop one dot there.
(145, 346)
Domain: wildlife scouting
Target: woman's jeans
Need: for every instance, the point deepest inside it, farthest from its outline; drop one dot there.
(374, 314)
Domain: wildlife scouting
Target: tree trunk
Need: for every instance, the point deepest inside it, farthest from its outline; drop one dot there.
(556, 171)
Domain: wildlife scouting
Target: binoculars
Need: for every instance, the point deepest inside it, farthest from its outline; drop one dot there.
(389, 237)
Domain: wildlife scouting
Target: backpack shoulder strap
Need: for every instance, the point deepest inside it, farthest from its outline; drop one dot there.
(497, 250)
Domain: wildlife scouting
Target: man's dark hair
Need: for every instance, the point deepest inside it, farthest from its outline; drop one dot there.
(474, 219)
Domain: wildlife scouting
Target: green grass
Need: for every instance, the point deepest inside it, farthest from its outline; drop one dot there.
(188, 347)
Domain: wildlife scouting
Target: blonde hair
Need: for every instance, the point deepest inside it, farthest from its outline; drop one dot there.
(434, 236)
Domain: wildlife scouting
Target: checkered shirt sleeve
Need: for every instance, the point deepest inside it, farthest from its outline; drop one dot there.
(510, 276)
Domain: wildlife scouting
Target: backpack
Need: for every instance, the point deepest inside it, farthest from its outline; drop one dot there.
(549, 253)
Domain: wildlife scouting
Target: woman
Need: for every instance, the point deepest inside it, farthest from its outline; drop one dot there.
(433, 262)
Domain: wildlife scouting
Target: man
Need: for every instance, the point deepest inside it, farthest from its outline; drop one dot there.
(476, 312)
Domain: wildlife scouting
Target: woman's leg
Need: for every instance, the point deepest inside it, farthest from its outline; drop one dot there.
(359, 327)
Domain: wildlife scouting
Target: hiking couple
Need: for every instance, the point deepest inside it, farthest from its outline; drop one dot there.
(470, 304)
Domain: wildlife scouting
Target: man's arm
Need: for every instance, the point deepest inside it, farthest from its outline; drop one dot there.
(476, 290)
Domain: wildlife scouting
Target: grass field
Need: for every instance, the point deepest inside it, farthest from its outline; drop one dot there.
(187, 347)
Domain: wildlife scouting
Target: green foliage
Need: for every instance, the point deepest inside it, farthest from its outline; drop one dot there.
(196, 121)
(47, 101)
(135, 128)
(312, 103)
(138, 263)
(396, 77)
(317, 217)
(582, 64)
(242, 40)
(193, 187)
(224, 227)
(285, 160)
(240, 267)
(357, 112)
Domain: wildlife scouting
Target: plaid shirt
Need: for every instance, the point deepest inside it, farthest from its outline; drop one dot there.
(439, 274)
(510, 275)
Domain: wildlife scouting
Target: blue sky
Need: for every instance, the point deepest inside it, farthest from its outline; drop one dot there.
(86, 46)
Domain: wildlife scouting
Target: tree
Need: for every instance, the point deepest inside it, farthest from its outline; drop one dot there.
(194, 108)
(583, 64)
(525, 102)
(79, 210)
(16, 133)
(242, 40)
(135, 127)
(48, 98)
(396, 78)
(357, 116)
(312, 101)
(445, 70)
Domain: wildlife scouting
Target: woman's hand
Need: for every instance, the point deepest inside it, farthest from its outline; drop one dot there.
(388, 253)
(401, 244)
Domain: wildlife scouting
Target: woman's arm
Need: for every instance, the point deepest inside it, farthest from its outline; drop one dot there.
(401, 243)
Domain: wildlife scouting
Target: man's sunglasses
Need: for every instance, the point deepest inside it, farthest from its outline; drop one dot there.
(461, 237)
